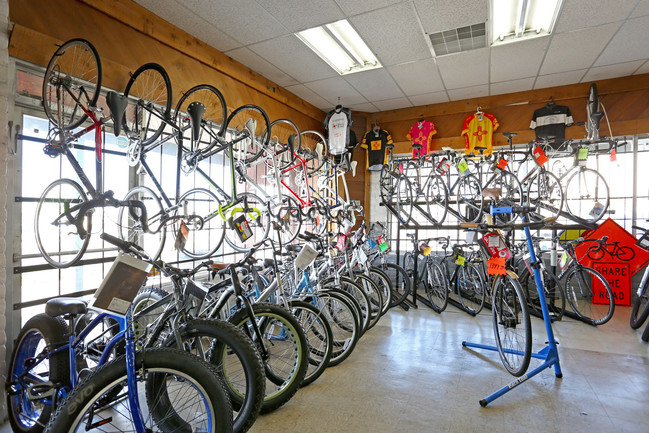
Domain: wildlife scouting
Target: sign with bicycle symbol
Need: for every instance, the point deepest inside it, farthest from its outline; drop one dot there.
(617, 260)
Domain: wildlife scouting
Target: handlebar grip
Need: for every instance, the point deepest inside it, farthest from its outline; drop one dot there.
(115, 241)
(550, 219)
(469, 225)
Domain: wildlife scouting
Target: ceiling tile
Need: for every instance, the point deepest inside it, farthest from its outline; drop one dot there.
(469, 68)
(355, 7)
(438, 15)
(244, 20)
(512, 86)
(308, 95)
(290, 55)
(186, 20)
(641, 10)
(416, 78)
(297, 15)
(393, 104)
(429, 98)
(612, 71)
(644, 69)
(333, 88)
(375, 85)
(630, 43)
(261, 66)
(469, 92)
(370, 108)
(576, 50)
(393, 34)
(560, 79)
(517, 59)
(577, 14)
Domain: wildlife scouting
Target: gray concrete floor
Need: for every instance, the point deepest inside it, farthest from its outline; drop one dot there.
(411, 374)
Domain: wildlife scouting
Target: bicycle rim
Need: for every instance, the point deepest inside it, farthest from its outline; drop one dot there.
(205, 228)
(130, 229)
(580, 291)
(587, 194)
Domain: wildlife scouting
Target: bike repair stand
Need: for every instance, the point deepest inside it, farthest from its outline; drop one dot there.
(549, 354)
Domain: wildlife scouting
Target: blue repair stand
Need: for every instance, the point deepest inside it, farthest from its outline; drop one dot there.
(549, 354)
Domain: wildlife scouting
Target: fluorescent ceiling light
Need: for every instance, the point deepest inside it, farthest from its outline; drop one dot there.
(340, 46)
(514, 20)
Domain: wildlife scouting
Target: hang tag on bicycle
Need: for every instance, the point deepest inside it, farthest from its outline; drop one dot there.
(582, 155)
(371, 244)
(540, 156)
(121, 284)
(596, 210)
(181, 236)
(196, 289)
(463, 167)
(613, 154)
(496, 266)
(347, 226)
(643, 242)
(496, 245)
(499, 166)
(443, 166)
(383, 244)
(340, 245)
(361, 256)
(563, 260)
(306, 257)
(460, 260)
(241, 226)
(400, 168)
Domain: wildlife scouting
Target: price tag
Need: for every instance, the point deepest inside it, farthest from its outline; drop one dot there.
(400, 168)
(540, 156)
(582, 153)
(597, 209)
(371, 244)
(502, 164)
(443, 166)
(613, 155)
(181, 236)
(362, 257)
(384, 247)
(463, 167)
(341, 242)
(347, 225)
(460, 260)
(564, 259)
(496, 266)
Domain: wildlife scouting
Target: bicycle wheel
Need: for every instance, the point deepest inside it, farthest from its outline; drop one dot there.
(580, 291)
(341, 311)
(546, 194)
(285, 139)
(382, 281)
(150, 86)
(470, 288)
(353, 289)
(255, 213)
(404, 200)
(469, 198)
(286, 359)
(436, 286)
(319, 338)
(555, 297)
(401, 283)
(141, 321)
(593, 101)
(587, 194)
(248, 128)
(204, 234)
(56, 234)
(511, 323)
(511, 194)
(29, 415)
(640, 307)
(437, 199)
(130, 228)
(289, 217)
(230, 352)
(314, 149)
(208, 99)
(387, 184)
(177, 392)
(374, 297)
(73, 79)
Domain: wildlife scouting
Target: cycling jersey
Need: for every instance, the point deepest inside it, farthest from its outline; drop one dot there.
(478, 132)
(421, 133)
(375, 143)
(550, 121)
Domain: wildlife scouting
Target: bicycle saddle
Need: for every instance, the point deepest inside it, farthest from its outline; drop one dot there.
(416, 146)
(389, 146)
(196, 110)
(596, 118)
(268, 263)
(117, 105)
(60, 306)
(510, 134)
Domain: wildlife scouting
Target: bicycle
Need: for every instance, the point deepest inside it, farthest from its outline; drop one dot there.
(640, 306)
(432, 277)
(433, 190)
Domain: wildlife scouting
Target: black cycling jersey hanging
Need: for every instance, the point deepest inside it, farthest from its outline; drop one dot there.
(550, 121)
(376, 141)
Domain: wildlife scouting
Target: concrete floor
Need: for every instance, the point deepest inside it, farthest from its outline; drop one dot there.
(411, 374)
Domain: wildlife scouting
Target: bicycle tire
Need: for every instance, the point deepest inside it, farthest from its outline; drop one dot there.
(151, 87)
(319, 337)
(546, 194)
(281, 386)
(401, 284)
(26, 415)
(259, 223)
(387, 184)
(374, 296)
(240, 123)
(153, 367)
(70, 59)
(130, 229)
(593, 100)
(470, 288)
(205, 234)
(227, 349)
(640, 308)
(404, 202)
(55, 235)
(213, 120)
(436, 286)
(509, 315)
(353, 289)
(144, 298)
(645, 334)
(314, 149)
(285, 139)
(437, 199)
(383, 282)
(289, 216)
(580, 293)
(512, 194)
(555, 297)
(341, 311)
(469, 198)
(587, 194)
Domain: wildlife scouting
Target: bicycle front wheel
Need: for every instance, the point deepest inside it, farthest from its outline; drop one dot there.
(289, 217)
(285, 139)
(130, 228)
(177, 392)
(405, 200)
(640, 308)
(511, 323)
(400, 282)
(54, 224)
(580, 291)
(470, 288)
(546, 194)
(72, 81)
(587, 194)
(511, 193)
(469, 198)
(437, 199)
(205, 227)
(436, 286)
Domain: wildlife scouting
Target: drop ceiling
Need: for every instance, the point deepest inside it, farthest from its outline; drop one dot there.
(593, 40)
